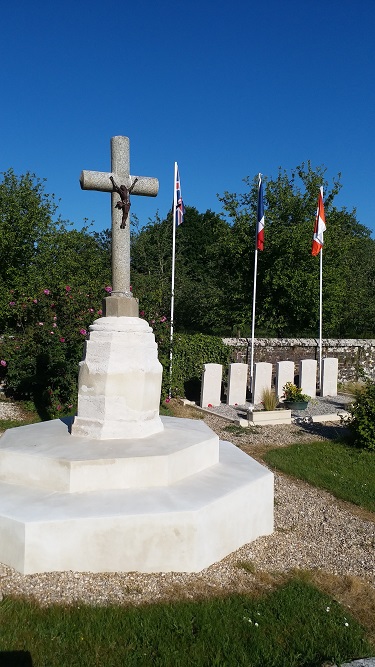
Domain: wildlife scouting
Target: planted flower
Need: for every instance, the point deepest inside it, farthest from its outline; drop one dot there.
(293, 394)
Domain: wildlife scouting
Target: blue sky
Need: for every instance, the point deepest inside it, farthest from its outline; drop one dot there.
(225, 89)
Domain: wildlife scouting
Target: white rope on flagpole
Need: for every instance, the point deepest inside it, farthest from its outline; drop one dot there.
(172, 282)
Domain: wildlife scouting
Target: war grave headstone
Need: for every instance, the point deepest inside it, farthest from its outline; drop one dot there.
(211, 385)
(330, 368)
(262, 380)
(123, 489)
(307, 376)
(237, 382)
(284, 374)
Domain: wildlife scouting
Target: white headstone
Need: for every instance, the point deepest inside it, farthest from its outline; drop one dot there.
(284, 374)
(330, 368)
(307, 376)
(211, 385)
(237, 382)
(262, 379)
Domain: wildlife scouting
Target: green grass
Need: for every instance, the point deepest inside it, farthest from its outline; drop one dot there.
(348, 473)
(294, 626)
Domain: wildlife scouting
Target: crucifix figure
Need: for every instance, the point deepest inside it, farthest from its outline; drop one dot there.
(120, 183)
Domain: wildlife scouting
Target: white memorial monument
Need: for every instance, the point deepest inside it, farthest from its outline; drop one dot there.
(122, 489)
(237, 383)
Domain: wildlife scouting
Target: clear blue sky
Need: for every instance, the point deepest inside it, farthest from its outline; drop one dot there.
(225, 89)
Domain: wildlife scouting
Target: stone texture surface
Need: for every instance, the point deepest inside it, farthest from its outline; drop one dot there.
(352, 354)
(330, 367)
(101, 181)
(262, 379)
(307, 376)
(184, 525)
(237, 383)
(211, 385)
(119, 381)
(284, 374)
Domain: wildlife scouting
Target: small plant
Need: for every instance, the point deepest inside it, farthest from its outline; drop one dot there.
(269, 399)
(362, 424)
(293, 394)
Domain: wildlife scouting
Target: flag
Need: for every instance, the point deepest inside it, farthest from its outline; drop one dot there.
(260, 220)
(178, 203)
(320, 226)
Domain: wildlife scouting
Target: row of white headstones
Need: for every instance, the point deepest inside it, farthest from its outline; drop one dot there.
(238, 380)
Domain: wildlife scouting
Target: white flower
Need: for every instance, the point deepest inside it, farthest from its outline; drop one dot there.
(328, 608)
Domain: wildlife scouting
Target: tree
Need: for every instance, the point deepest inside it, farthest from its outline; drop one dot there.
(288, 276)
(52, 284)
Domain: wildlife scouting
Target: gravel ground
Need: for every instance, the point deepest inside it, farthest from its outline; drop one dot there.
(312, 530)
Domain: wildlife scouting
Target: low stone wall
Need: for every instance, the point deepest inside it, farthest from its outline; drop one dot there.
(352, 354)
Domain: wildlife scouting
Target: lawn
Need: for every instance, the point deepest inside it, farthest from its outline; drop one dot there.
(348, 473)
(294, 626)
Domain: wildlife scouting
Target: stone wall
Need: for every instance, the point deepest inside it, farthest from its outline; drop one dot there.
(352, 354)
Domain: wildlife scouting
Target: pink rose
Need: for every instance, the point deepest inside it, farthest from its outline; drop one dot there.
(3, 362)
(46, 291)
(62, 340)
(67, 288)
(108, 288)
(12, 303)
(83, 332)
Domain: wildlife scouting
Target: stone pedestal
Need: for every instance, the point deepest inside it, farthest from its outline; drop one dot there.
(175, 501)
(119, 381)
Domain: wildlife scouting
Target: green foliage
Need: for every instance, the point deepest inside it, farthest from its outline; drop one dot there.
(362, 424)
(269, 399)
(294, 394)
(44, 346)
(51, 285)
(344, 471)
(296, 625)
(190, 353)
(288, 276)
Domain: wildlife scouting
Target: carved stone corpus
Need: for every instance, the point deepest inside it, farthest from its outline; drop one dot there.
(136, 185)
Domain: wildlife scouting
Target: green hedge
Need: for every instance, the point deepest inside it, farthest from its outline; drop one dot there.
(190, 353)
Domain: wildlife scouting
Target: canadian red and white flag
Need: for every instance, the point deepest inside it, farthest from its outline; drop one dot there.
(320, 226)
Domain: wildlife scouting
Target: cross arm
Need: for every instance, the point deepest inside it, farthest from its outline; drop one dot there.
(101, 181)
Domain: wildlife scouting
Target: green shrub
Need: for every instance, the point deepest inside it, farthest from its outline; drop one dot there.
(41, 353)
(362, 424)
(190, 353)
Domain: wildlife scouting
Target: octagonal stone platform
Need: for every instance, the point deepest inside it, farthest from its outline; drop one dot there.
(175, 501)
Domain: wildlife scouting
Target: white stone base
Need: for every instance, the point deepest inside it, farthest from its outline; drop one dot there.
(176, 501)
(269, 417)
(119, 381)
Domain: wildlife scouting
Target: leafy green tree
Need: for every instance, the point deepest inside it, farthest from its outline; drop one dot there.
(288, 276)
(52, 281)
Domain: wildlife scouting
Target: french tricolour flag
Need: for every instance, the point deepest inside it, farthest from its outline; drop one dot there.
(178, 203)
(320, 226)
(260, 219)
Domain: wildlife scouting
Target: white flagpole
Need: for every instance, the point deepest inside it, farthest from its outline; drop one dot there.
(253, 320)
(320, 317)
(173, 272)
(254, 294)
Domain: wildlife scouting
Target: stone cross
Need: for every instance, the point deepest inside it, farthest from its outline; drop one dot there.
(110, 182)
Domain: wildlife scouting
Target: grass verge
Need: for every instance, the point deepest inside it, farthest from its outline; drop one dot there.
(348, 473)
(295, 626)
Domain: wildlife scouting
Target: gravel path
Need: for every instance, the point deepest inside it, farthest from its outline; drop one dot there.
(312, 530)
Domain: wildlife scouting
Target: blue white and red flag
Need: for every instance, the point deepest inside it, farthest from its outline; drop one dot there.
(178, 202)
(260, 218)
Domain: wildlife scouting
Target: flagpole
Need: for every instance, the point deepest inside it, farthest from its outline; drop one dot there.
(259, 240)
(320, 318)
(253, 320)
(172, 285)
